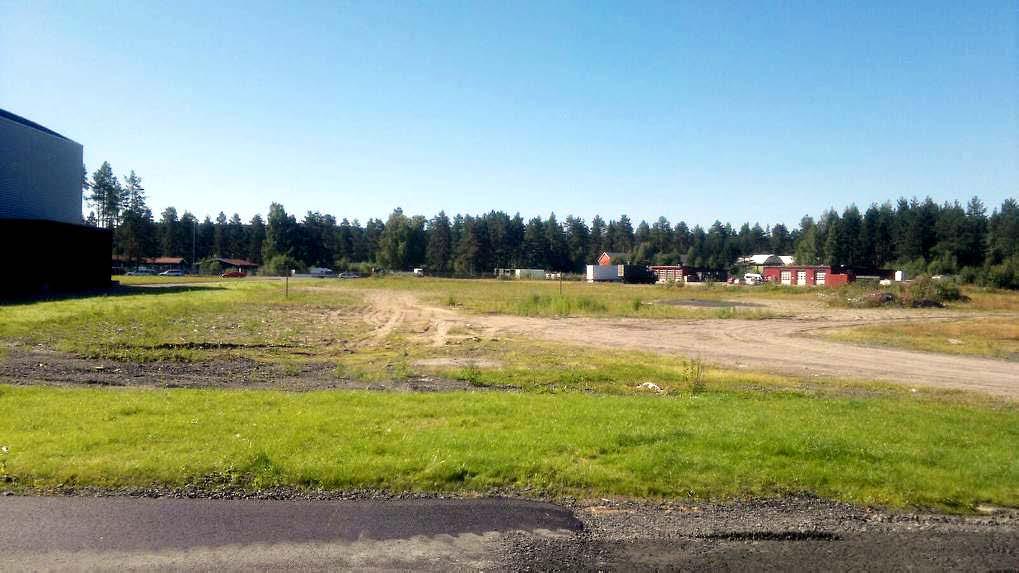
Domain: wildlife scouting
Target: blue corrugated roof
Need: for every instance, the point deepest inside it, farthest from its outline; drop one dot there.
(18, 119)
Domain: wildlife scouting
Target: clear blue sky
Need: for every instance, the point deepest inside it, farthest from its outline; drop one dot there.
(695, 111)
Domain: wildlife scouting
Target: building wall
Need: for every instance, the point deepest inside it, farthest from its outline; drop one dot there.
(40, 173)
(669, 273)
(808, 274)
(62, 257)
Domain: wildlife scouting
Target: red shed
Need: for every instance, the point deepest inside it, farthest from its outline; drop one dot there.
(804, 275)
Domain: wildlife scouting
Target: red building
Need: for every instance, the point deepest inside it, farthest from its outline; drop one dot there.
(671, 273)
(807, 275)
(608, 258)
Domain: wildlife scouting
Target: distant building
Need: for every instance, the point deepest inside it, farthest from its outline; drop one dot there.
(807, 275)
(40, 213)
(523, 274)
(242, 265)
(608, 258)
(756, 263)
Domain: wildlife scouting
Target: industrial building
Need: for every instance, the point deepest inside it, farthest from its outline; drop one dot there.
(807, 275)
(40, 213)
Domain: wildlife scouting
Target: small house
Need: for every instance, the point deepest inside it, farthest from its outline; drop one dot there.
(242, 265)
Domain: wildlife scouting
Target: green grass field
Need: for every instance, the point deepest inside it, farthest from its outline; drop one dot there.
(182, 323)
(558, 419)
(883, 450)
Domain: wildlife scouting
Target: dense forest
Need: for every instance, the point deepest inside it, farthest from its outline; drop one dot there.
(920, 236)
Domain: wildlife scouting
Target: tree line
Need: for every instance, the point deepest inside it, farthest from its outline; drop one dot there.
(920, 236)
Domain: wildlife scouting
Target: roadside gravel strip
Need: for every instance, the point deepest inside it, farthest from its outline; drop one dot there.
(78, 532)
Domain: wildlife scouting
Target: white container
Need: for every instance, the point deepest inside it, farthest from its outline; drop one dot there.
(599, 273)
(530, 274)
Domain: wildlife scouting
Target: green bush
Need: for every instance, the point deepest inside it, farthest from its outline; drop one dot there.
(1005, 275)
(210, 267)
(925, 291)
(281, 265)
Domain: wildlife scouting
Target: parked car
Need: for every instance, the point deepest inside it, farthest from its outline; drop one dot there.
(234, 275)
(348, 276)
(171, 273)
(140, 272)
(753, 278)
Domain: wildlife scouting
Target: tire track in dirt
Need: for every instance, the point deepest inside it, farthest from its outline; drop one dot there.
(783, 345)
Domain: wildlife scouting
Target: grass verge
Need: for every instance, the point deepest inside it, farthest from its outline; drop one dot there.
(715, 445)
(250, 319)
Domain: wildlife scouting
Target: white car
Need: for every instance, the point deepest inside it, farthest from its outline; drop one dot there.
(753, 278)
(171, 273)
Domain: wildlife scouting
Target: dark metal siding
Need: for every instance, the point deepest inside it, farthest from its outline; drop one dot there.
(40, 173)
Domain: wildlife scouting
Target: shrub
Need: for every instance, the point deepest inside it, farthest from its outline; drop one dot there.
(210, 267)
(1005, 275)
(925, 291)
(281, 265)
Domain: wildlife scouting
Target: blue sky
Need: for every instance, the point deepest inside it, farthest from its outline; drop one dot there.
(696, 111)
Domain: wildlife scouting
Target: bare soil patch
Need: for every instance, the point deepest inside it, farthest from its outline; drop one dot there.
(38, 366)
(787, 346)
(458, 362)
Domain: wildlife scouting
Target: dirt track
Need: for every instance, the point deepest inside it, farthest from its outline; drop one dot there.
(783, 346)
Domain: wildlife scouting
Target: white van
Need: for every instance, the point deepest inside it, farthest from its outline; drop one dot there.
(753, 278)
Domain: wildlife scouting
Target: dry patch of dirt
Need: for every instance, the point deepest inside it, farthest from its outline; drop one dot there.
(34, 367)
(785, 346)
(458, 362)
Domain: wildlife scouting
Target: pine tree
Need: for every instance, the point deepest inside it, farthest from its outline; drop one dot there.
(806, 246)
(170, 239)
(279, 232)
(219, 236)
(107, 196)
(598, 240)
(578, 239)
(558, 252)
(439, 251)
(255, 239)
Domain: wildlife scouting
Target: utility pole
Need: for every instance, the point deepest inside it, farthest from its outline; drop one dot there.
(194, 244)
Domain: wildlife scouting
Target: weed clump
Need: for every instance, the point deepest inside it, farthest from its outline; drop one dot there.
(558, 305)
(694, 374)
(471, 374)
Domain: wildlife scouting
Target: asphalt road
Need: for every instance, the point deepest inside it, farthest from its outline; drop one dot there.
(77, 532)
(117, 533)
